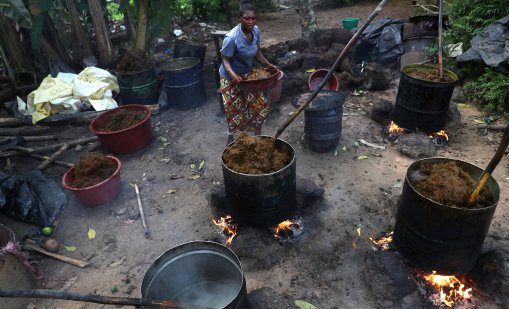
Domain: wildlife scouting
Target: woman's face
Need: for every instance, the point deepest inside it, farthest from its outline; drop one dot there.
(248, 20)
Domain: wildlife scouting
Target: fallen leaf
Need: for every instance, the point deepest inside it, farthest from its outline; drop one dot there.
(356, 144)
(310, 70)
(359, 229)
(193, 166)
(202, 163)
(130, 221)
(194, 177)
(354, 245)
(479, 121)
(114, 289)
(171, 191)
(163, 139)
(117, 263)
(336, 153)
(165, 160)
(463, 105)
(362, 157)
(344, 148)
(397, 185)
(304, 304)
(70, 248)
(91, 233)
(69, 282)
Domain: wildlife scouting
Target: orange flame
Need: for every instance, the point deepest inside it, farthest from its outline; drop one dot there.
(451, 288)
(395, 129)
(287, 225)
(441, 133)
(384, 242)
(229, 228)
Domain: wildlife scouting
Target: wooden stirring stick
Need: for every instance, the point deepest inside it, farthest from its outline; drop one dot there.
(107, 300)
(489, 169)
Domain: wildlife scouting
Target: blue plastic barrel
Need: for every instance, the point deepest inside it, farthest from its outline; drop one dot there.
(183, 81)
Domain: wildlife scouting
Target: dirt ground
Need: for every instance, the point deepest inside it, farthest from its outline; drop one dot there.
(324, 265)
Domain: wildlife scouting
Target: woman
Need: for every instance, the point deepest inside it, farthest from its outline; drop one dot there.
(244, 111)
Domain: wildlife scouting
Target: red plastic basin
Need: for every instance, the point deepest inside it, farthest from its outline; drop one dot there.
(275, 91)
(316, 78)
(127, 140)
(97, 194)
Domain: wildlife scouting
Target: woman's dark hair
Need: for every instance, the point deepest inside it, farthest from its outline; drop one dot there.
(245, 6)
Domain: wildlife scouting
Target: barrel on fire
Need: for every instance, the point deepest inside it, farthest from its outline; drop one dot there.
(183, 81)
(422, 105)
(261, 199)
(323, 121)
(433, 236)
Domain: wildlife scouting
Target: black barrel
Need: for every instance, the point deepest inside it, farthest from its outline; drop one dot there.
(138, 87)
(183, 81)
(422, 105)
(433, 236)
(200, 273)
(261, 199)
(323, 121)
(186, 48)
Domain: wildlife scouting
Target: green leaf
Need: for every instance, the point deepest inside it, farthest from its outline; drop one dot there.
(479, 121)
(202, 163)
(91, 233)
(16, 10)
(36, 31)
(114, 289)
(161, 18)
(70, 248)
(362, 157)
(193, 166)
(304, 305)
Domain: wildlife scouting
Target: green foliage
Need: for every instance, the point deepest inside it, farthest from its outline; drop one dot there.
(490, 89)
(16, 10)
(468, 17)
(113, 9)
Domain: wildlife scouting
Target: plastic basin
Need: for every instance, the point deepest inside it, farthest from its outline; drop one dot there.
(259, 84)
(350, 23)
(275, 91)
(316, 78)
(127, 140)
(99, 193)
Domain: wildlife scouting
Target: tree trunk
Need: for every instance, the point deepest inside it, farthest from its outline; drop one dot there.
(129, 25)
(105, 49)
(307, 17)
(141, 28)
(10, 40)
(83, 41)
(51, 34)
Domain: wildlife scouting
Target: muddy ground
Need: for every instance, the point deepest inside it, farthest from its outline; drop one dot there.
(323, 266)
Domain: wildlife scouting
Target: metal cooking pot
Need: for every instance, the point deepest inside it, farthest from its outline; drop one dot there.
(201, 273)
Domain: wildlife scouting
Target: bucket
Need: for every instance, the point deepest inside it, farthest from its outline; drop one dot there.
(323, 121)
(139, 87)
(316, 78)
(185, 48)
(432, 236)
(199, 273)
(422, 105)
(350, 23)
(275, 91)
(127, 140)
(99, 193)
(13, 274)
(262, 199)
(184, 83)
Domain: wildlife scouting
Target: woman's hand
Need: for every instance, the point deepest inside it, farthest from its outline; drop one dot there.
(236, 79)
(271, 68)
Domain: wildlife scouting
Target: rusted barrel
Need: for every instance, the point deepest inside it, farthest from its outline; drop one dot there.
(433, 236)
(261, 199)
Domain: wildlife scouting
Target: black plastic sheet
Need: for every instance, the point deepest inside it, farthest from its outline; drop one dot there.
(30, 197)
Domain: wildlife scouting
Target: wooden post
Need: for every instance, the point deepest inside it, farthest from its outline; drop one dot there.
(105, 49)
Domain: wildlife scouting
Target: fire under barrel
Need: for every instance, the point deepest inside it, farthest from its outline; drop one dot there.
(432, 236)
(261, 199)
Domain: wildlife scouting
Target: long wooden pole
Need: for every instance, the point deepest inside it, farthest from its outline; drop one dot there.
(98, 299)
(336, 64)
(440, 47)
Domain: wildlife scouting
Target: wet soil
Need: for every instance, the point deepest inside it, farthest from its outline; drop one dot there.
(92, 169)
(430, 75)
(122, 119)
(134, 60)
(255, 155)
(448, 184)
